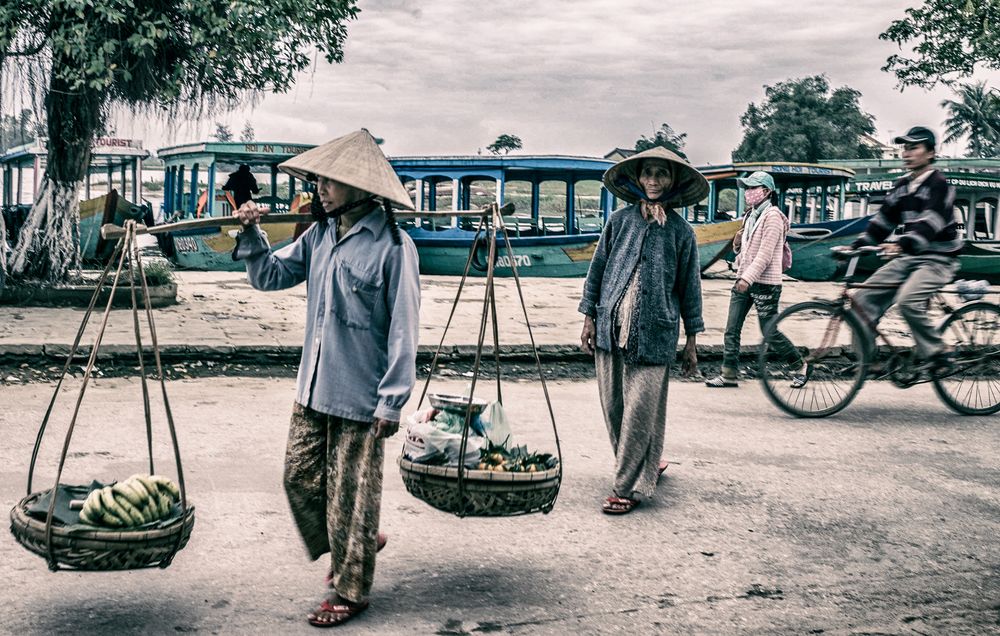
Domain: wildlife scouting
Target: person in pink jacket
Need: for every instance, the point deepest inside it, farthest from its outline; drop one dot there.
(759, 247)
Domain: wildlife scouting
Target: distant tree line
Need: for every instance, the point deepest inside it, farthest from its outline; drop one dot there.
(19, 130)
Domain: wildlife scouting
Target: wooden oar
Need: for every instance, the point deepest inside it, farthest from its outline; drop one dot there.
(110, 230)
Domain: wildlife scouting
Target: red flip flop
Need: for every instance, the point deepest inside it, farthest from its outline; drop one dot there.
(661, 469)
(338, 614)
(619, 505)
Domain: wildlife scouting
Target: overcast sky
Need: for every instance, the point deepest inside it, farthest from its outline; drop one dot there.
(576, 76)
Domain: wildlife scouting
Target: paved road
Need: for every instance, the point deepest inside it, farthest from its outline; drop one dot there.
(883, 519)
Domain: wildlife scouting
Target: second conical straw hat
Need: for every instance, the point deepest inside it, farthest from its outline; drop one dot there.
(354, 159)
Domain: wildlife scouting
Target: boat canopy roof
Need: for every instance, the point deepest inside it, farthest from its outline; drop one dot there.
(963, 181)
(946, 164)
(786, 174)
(253, 153)
(508, 167)
(107, 152)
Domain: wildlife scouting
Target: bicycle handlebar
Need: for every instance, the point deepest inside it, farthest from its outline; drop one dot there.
(845, 253)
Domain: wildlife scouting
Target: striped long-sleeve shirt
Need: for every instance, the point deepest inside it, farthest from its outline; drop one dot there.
(759, 261)
(926, 212)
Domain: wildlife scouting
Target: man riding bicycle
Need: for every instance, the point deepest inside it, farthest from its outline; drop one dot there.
(927, 250)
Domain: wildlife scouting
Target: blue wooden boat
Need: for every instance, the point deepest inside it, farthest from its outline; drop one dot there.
(977, 200)
(814, 196)
(187, 197)
(560, 208)
(118, 160)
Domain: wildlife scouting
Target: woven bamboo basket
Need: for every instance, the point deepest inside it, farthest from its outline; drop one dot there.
(486, 493)
(98, 549)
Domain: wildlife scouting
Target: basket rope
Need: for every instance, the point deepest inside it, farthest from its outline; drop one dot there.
(491, 222)
(127, 248)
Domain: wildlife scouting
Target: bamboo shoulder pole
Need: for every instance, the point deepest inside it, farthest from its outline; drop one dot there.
(111, 231)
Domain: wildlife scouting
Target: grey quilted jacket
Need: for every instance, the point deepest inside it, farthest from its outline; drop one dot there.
(669, 284)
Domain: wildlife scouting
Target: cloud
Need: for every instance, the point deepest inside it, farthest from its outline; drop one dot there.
(583, 76)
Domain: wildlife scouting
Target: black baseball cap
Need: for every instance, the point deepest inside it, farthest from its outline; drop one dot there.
(917, 135)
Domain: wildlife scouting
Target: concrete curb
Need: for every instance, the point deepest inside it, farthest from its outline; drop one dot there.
(288, 354)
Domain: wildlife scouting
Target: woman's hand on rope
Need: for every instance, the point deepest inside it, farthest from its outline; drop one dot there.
(588, 335)
(689, 363)
(384, 428)
(248, 214)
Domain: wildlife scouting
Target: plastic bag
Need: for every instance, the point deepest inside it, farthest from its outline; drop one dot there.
(496, 427)
(969, 290)
(428, 442)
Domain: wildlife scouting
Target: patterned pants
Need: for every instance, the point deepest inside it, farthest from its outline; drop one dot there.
(333, 479)
(634, 399)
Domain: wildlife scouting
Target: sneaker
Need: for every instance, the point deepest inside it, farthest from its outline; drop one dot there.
(722, 382)
(800, 377)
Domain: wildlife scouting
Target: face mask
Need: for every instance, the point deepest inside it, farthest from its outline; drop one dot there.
(755, 196)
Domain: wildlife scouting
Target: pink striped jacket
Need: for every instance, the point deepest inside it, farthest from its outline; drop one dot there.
(760, 260)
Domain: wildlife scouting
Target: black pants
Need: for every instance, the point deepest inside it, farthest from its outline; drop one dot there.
(765, 299)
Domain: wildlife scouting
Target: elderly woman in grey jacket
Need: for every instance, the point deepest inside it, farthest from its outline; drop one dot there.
(643, 282)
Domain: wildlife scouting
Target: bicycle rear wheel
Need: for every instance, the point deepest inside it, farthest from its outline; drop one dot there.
(973, 387)
(812, 361)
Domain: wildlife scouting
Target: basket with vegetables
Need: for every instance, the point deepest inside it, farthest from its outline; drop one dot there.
(495, 479)
(511, 486)
(502, 480)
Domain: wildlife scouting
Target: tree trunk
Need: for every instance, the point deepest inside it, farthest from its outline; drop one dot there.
(3, 252)
(48, 247)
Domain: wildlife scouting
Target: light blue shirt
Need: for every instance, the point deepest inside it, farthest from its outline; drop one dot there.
(363, 303)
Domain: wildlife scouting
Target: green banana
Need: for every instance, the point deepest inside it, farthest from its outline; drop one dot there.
(164, 501)
(112, 508)
(135, 484)
(135, 516)
(122, 488)
(108, 519)
(167, 484)
(92, 505)
(148, 484)
(85, 518)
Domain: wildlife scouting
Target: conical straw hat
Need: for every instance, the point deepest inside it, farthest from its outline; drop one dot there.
(691, 186)
(354, 159)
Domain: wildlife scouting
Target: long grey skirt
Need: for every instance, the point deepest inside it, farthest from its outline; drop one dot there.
(634, 400)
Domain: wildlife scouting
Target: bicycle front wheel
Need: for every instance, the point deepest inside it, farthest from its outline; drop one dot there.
(972, 387)
(812, 361)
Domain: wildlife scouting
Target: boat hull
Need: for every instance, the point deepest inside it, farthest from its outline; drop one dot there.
(445, 253)
(92, 216)
(811, 243)
(212, 250)
(543, 256)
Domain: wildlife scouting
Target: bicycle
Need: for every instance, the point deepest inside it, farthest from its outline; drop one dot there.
(815, 373)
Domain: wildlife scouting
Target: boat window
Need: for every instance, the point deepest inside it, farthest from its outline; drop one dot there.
(552, 207)
(726, 206)
(587, 204)
(481, 192)
(519, 193)
(985, 220)
(476, 193)
(410, 186)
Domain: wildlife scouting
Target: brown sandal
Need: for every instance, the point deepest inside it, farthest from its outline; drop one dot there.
(619, 505)
(338, 614)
